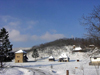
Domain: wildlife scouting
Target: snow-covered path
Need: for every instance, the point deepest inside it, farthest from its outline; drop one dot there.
(37, 71)
(23, 71)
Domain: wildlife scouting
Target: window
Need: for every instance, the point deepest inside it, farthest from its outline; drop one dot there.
(18, 56)
(95, 57)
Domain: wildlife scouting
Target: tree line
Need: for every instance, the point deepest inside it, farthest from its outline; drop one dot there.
(83, 42)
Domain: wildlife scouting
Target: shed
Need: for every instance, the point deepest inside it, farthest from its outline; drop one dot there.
(60, 59)
(20, 56)
(63, 58)
(94, 61)
(77, 49)
(92, 46)
(51, 58)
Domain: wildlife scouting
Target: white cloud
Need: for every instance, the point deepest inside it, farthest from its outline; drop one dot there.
(15, 36)
(15, 29)
(13, 26)
(47, 37)
(14, 23)
(10, 22)
(54, 31)
(32, 22)
(35, 37)
(7, 18)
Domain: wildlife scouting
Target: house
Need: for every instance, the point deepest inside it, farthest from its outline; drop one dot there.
(63, 58)
(51, 58)
(94, 61)
(60, 59)
(92, 46)
(74, 46)
(20, 56)
(77, 49)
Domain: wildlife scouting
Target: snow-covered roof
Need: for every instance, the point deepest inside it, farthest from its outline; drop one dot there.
(78, 48)
(20, 51)
(91, 45)
(51, 57)
(73, 45)
(60, 57)
(64, 55)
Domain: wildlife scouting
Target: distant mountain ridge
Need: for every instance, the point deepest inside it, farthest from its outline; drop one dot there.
(23, 48)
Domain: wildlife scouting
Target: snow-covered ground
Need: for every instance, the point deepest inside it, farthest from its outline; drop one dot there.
(16, 71)
(52, 68)
(44, 67)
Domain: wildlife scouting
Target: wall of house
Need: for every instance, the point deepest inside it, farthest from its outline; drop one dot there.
(18, 57)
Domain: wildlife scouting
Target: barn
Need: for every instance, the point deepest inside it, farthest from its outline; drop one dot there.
(51, 58)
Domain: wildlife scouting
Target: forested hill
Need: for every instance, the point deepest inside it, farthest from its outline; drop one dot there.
(83, 42)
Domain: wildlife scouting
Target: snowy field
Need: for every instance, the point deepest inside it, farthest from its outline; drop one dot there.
(44, 67)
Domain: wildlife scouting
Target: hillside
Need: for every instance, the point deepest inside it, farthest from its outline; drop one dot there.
(55, 48)
(59, 46)
(83, 42)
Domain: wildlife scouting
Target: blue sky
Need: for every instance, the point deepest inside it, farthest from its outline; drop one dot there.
(33, 22)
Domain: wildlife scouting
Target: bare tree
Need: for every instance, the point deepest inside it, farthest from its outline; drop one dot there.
(92, 21)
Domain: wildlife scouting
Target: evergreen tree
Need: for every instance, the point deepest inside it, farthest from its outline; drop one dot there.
(5, 46)
(35, 54)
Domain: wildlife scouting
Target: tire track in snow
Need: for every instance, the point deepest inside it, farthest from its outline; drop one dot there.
(39, 71)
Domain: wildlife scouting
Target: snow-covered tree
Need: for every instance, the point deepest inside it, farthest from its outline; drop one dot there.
(35, 54)
(5, 46)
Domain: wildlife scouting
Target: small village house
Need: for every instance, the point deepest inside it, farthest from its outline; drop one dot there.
(74, 46)
(77, 49)
(60, 59)
(92, 46)
(20, 56)
(63, 58)
(94, 61)
(51, 58)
